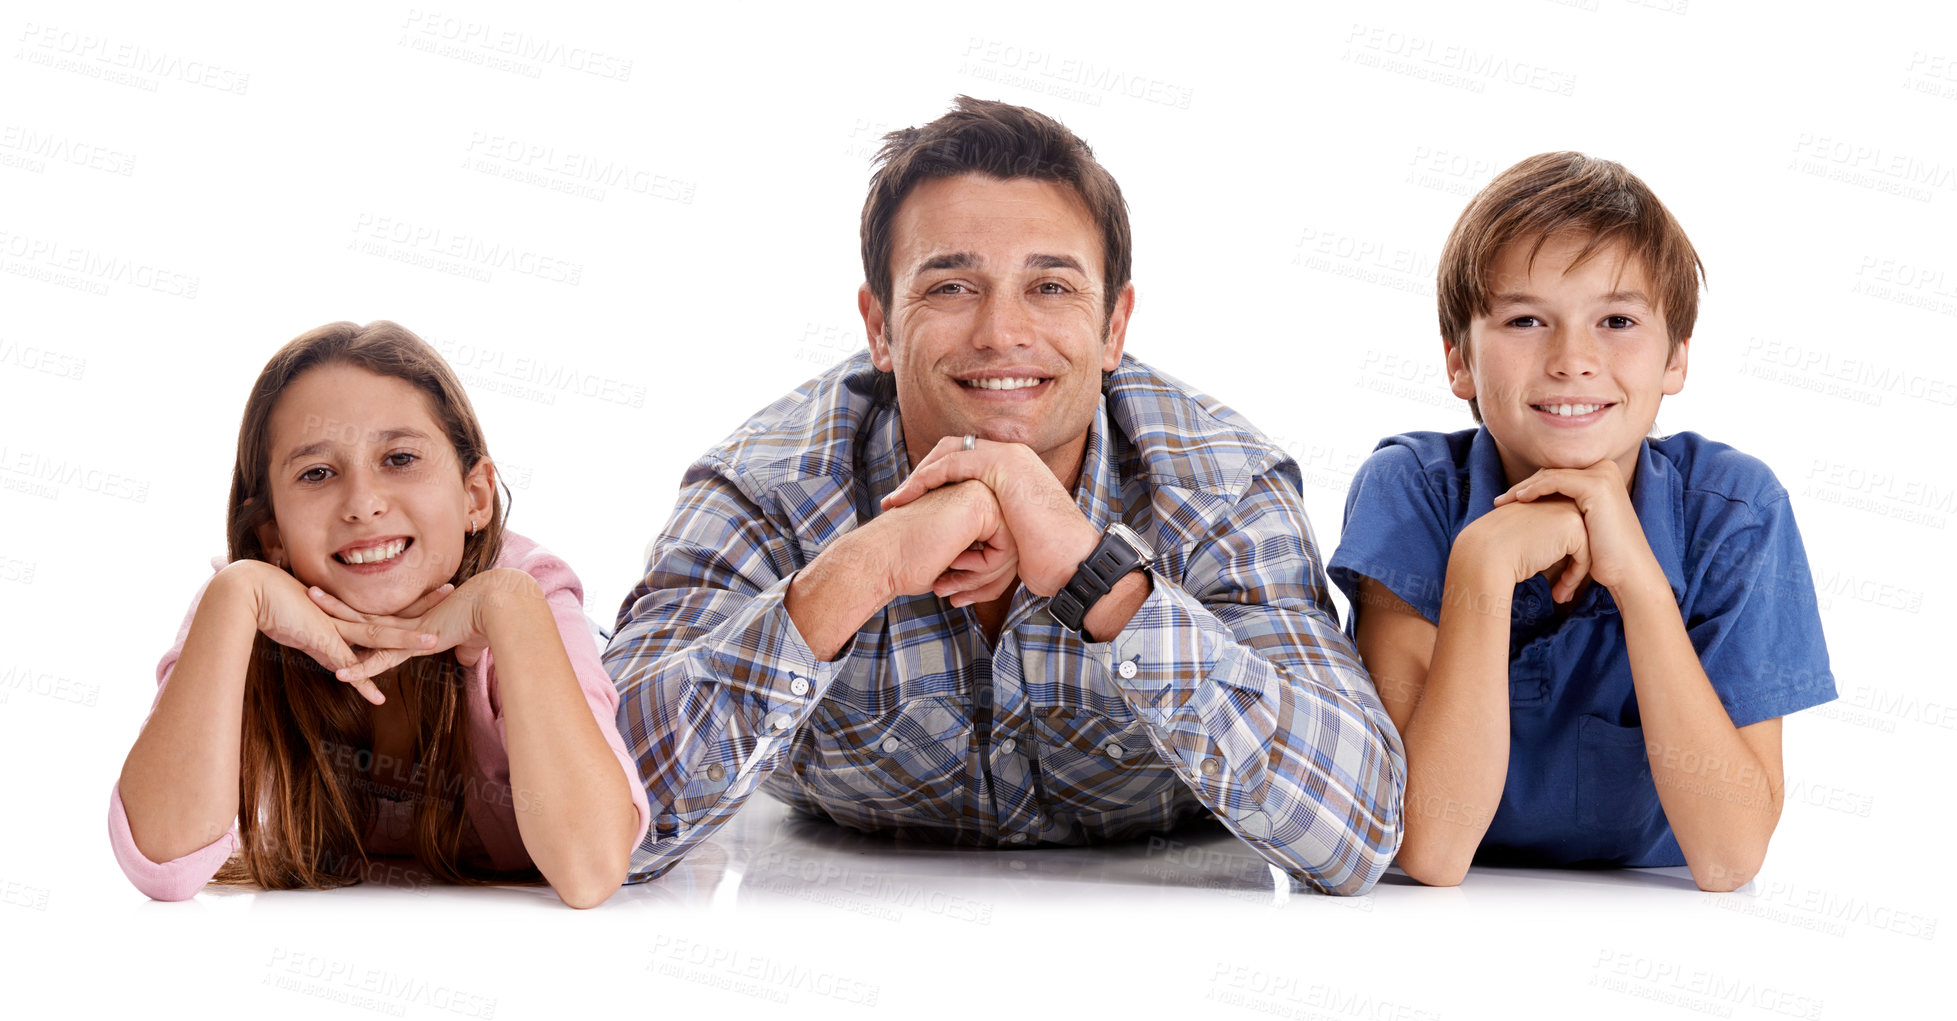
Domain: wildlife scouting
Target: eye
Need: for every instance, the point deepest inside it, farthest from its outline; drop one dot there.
(316, 473)
(402, 459)
(951, 287)
(1053, 287)
(1524, 322)
(1619, 322)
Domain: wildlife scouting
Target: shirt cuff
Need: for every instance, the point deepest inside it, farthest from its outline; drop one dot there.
(1162, 663)
(176, 879)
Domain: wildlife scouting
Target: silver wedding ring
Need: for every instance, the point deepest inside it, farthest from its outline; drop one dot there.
(971, 442)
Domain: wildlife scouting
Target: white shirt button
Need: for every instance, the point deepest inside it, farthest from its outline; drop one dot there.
(1116, 752)
(1211, 767)
(1006, 746)
(798, 685)
(890, 745)
(1126, 669)
(1018, 838)
(716, 772)
(778, 721)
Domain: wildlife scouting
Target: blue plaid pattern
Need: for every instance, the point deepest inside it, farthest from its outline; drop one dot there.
(1232, 691)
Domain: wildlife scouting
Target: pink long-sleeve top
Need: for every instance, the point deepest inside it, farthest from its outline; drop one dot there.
(492, 834)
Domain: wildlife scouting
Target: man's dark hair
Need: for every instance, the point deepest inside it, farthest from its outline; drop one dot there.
(1002, 141)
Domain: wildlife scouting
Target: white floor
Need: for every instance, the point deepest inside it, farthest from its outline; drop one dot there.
(782, 911)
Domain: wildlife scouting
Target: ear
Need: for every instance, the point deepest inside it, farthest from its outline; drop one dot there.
(1459, 378)
(479, 486)
(1117, 333)
(268, 539)
(1675, 372)
(872, 312)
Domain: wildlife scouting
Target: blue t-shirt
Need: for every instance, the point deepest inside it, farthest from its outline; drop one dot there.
(1579, 787)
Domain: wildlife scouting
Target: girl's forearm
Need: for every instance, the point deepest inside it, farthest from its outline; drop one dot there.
(179, 785)
(573, 808)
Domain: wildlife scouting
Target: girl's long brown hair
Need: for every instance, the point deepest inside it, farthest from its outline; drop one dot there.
(304, 799)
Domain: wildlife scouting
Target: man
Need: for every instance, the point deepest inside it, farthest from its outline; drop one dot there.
(993, 583)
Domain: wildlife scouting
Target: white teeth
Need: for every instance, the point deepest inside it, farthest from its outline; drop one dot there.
(1003, 384)
(1567, 410)
(376, 554)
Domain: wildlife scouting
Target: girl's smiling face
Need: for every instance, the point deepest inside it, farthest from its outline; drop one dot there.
(368, 500)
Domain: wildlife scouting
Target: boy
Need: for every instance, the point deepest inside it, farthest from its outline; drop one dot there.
(1586, 637)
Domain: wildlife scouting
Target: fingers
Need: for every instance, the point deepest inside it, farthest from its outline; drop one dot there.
(1573, 575)
(367, 691)
(333, 606)
(964, 588)
(427, 602)
(385, 636)
(947, 462)
(375, 663)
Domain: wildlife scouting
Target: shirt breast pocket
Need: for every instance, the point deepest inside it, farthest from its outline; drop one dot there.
(907, 764)
(1614, 791)
(1092, 764)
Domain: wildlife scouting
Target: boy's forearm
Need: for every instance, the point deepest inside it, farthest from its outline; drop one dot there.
(1457, 738)
(1718, 796)
(179, 784)
(573, 809)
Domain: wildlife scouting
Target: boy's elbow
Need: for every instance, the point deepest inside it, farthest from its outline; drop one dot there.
(1433, 866)
(1729, 873)
(1428, 871)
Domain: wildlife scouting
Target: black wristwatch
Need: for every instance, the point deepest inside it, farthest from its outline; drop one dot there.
(1120, 552)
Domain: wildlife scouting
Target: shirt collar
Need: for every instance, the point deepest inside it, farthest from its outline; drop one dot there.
(1656, 497)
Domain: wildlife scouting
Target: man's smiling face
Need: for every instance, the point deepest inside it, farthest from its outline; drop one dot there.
(998, 324)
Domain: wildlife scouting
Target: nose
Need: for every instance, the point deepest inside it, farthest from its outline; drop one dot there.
(364, 496)
(1004, 320)
(1573, 353)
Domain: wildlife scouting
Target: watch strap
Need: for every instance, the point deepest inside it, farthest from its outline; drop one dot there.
(1113, 558)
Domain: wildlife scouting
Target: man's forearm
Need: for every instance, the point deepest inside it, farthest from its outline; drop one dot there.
(1717, 795)
(831, 598)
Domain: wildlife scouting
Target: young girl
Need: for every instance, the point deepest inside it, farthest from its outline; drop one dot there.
(381, 668)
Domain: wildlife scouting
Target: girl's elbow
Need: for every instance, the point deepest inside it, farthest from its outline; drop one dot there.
(588, 888)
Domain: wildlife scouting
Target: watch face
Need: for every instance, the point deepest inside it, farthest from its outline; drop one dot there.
(1128, 535)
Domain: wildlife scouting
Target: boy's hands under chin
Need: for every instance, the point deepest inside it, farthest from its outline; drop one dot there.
(1618, 552)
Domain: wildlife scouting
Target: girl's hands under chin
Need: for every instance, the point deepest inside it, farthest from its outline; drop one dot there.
(347, 647)
(453, 616)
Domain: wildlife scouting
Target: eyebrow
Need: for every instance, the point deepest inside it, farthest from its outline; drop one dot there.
(970, 260)
(384, 436)
(1613, 298)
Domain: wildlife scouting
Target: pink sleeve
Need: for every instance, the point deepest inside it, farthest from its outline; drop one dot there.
(565, 596)
(176, 879)
(179, 878)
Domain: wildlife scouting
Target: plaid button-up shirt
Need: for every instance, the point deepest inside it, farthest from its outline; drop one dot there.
(1231, 691)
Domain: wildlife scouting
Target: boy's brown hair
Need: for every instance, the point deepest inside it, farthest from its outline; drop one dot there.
(1567, 194)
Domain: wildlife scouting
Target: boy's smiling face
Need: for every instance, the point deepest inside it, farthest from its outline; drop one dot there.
(1570, 361)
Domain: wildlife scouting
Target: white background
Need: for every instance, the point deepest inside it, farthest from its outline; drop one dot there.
(180, 194)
